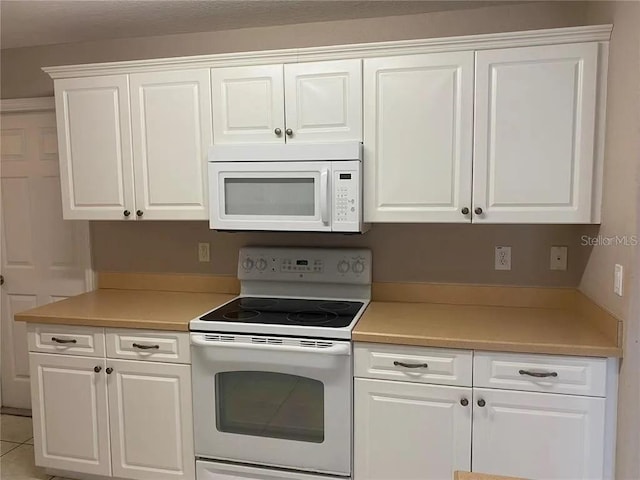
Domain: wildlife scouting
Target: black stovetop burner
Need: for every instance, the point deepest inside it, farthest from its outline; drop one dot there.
(287, 311)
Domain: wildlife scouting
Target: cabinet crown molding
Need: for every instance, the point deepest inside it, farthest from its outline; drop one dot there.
(20, 105)
(591, 33)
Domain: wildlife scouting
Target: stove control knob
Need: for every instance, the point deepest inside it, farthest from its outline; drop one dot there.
(358, 266)
(247, 263)
(261, 264)
(343, 266)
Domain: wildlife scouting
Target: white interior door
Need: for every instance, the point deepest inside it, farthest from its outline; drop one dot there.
(44, 258)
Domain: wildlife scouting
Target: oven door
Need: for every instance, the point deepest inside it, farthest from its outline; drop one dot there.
(263, 402)
(270, 196)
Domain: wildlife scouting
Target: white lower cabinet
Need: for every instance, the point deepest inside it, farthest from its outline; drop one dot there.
(112, 417)
(410, 431)
(538, 435)
(530, 424)
(70, 416)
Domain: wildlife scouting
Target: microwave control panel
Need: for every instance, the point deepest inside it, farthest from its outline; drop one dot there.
(346, 183)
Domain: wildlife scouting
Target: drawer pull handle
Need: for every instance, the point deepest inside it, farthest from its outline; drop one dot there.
(410, 365)
(538, 374)
(146, 347)
(64, 340)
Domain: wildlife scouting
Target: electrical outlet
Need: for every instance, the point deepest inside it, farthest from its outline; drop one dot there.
(203, 252)
(503, 258)
(558, 258)
(618, 279)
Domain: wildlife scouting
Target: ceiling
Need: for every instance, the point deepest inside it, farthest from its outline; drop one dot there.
(26, 23)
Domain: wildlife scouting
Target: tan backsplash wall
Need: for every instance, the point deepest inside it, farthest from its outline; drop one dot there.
(401, 252)
(621, 216)
(22, 77)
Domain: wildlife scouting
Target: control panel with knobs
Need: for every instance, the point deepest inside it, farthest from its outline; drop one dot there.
(322, 265)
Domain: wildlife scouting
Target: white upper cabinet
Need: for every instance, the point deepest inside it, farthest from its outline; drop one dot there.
(323, 101)
(248, 104)
(172, 131)
(534, 136)
(304, 102)
(418, 137)
(94, 137)
(135, 146)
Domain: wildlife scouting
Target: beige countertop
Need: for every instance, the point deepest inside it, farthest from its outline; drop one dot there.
(127, 309)
(511, 319)
(564, 331)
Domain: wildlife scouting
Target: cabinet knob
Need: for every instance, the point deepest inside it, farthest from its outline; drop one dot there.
(1, 279)
(478, 211)
(465, 211)
(139, 213)
(481, 403)
(278, 131)
(126, 213)
(109, 370)
(97, 369)
(464, 402)
(289, 132)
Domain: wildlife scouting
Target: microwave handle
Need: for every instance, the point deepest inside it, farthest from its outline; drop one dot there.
(324, 196)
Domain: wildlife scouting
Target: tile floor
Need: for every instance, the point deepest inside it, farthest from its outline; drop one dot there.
(16, 450)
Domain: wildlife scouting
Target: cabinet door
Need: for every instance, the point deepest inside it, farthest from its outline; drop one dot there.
(418, 116)
(538, 435)
(248, 104)
(406, 431)
(69, 402)
(172, 131)
(534, 134)
(323, 101)
(94, 145)
(151, 420)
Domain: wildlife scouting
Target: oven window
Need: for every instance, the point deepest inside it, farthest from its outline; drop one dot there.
(269, 196)
(268, 404)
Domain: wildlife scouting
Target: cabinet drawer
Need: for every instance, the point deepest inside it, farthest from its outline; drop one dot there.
(86, 341)
(413, 364)
(148, 345)
(541, 373)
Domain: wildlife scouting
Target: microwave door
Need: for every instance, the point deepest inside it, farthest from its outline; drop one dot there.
(283, 196)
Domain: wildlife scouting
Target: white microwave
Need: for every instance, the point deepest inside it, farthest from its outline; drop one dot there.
(299, 187)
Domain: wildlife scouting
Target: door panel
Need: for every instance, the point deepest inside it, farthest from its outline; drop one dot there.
(172, 131)
(44, 258)
(248, 104)
(70, 413)
(409, 431)
(95, 147)
(418, 137)
(534, 131)
(151, 440)
(324, 101)
(539, 436)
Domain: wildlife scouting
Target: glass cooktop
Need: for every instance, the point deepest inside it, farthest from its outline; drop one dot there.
(287, 311)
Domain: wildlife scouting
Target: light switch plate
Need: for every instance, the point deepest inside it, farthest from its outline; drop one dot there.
(503, 258)
(558, 258)
(618, 279)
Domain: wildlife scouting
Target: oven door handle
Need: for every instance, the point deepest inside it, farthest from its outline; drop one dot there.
(324, 196)
(335, 349)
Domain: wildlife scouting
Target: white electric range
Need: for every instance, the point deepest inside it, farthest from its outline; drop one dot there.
(272, 369)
